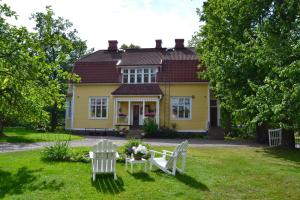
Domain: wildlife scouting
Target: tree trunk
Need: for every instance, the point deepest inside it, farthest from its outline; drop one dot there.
(2, 129)
(262, 133)
(54, 117)
(288, 138)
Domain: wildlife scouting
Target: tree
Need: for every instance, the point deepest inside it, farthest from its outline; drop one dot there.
(25, 87)
(62, 48)
(251, 50)
(131, 46)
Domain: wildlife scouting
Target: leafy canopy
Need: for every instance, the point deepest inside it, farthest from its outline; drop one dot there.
(252, 53)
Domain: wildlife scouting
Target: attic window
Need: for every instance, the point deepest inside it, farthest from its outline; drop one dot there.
(139, 75)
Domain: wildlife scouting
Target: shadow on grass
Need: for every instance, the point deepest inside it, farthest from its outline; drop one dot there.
(24, 179)
(187, 180)
(142, 176)
(191, 182)
(105, 183)
(284, 153)
(17, 139)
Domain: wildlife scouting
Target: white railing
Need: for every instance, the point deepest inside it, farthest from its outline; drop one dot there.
(275, 137)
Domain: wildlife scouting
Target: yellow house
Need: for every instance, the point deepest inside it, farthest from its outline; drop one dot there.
(121, 88)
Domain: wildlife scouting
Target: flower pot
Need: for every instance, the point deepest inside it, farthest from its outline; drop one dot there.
(137, 157)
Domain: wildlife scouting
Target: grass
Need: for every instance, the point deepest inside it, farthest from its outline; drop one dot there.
(16, 135)
(212, 173)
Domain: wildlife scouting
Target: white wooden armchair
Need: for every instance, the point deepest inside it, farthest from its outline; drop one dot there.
(103, 158)
(168, 159)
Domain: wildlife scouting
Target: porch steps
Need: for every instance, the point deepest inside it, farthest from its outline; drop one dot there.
(216, 133)
(135, 133)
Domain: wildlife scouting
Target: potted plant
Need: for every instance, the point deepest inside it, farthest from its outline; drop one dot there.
(139, 152)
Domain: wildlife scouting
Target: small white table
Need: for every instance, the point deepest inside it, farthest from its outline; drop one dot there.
(132, 161)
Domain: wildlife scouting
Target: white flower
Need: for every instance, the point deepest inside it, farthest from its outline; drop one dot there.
(140, 149)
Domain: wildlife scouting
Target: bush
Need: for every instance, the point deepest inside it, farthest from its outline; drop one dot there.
(150, 127)
(80, 157)
(60, 151)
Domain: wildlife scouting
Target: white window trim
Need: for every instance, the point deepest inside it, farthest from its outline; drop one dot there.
(142, 73)
(68, 109)
(171, 108)
(98, 97)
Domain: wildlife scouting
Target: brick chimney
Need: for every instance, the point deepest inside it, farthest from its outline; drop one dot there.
(158, 44)
(112, 45)
(179, 43)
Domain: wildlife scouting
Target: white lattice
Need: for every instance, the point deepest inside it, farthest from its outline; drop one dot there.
(275, 137)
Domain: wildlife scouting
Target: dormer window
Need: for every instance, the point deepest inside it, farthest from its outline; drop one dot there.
(139, 75)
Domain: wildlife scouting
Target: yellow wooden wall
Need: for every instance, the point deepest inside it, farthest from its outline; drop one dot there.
(81, 108)
(198, 92)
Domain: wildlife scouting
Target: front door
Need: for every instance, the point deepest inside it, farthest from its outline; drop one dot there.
(213, 113)
(136, 115)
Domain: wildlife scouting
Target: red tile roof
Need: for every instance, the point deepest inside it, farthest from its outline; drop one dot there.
(132, 57)
(177, 65)
(138, 89)
(97, 72)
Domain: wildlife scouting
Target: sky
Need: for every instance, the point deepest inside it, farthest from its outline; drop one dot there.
(129, 21)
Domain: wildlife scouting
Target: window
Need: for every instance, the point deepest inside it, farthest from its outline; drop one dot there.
(152, 72)
(132, 76)
(98, 107)
(68, 109)
(181, 107)
(139, 75)
(146, 75)
(125, 76)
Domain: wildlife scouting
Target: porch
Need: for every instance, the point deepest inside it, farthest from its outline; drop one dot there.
(132, 112)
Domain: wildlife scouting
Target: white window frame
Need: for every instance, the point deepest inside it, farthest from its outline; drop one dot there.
(96, 98)
(171, 107)
(69, 109)
(128, 74)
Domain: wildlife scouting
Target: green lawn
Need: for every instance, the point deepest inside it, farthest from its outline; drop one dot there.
(212, 173)
(23, 135)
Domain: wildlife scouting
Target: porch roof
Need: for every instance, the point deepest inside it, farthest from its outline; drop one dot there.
(138, 89)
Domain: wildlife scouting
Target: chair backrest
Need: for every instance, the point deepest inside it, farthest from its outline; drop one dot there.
(104, 156)
(104, 146)
(179, 151)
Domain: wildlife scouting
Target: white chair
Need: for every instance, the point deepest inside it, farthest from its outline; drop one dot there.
(103, 158)
(168, 159)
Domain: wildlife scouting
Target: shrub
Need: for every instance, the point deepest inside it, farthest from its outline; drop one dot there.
(150, 127)
(59, 151)
(80, 157)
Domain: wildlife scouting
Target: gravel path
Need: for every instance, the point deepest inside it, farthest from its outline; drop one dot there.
(92, 140)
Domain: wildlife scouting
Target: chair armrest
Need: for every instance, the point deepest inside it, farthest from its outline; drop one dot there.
(91, 154)
(154, 152)
(168, 152)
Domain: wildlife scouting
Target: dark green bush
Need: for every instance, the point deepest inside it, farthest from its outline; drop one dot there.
(150, 127)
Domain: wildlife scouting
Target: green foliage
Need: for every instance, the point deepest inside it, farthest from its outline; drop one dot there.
(150, 127)
(25, 88)
(131, 46)
(62, 47)
(59, 151)
(251, 52)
